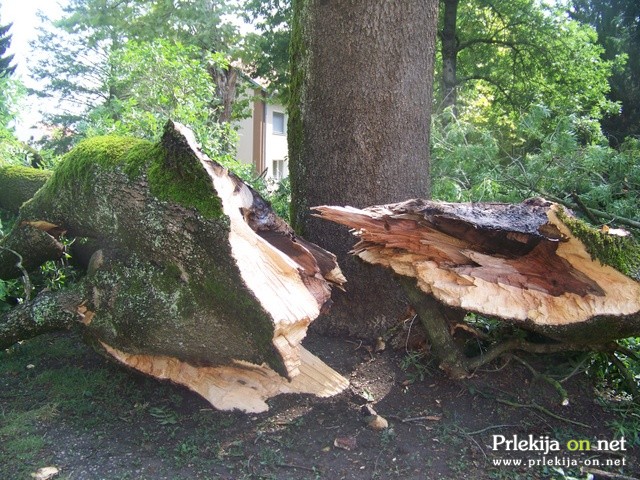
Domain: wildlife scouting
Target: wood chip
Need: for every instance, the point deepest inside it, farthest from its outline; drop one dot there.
(45, 473)
(345, 443)
(376, 422)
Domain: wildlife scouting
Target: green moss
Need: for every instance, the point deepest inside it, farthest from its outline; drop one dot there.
(206, 319)
(181, 180)
(18, 184)
(79, 166)
(621, 253)
(299, 59)
(184, 181)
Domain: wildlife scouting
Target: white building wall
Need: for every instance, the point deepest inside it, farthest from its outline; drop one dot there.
(245, 140)
(276, 149)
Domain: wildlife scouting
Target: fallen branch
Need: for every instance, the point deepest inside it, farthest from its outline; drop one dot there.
(530, 264)
(48, 312)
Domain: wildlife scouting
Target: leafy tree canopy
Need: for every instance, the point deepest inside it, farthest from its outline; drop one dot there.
(514, 54)
(116, 62)
(6, 68)
(617, 23)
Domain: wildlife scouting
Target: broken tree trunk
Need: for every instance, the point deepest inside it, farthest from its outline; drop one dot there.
(531, 264)
(194, 279)
(18, 184)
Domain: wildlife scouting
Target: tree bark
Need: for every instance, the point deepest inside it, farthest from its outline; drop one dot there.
(530, 264)
(358, 132)
(19, 184)
(194, 278)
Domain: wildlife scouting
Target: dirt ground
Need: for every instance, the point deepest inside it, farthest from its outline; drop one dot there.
(64, 406)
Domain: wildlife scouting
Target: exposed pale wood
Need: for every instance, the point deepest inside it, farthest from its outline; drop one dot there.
(240, 385)
(516, 262)
(278, 268)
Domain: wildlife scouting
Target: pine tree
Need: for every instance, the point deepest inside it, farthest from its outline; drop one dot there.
(6, 69)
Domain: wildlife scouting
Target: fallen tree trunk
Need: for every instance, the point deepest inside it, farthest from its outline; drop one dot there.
(531, 264)
(194, 279)
(18, 184)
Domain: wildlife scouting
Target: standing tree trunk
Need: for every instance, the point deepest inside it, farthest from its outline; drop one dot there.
(360, 111)
(226, 82)
(449, 56)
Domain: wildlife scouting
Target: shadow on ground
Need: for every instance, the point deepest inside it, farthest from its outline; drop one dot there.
(62, 405)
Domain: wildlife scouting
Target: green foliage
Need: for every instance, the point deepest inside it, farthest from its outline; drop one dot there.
(10, 292)
(56, 275)
(278, 194)
(12, 151)
(6, 69)
(415, 368)
(164, 415)
(611, 377)
(280, 198)
(558, 155)
(268, 50)
(512, 54)
(124, 67)
(162, 80)
(618, 29)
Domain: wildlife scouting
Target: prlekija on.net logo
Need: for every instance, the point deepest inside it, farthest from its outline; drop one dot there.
(545, 451)
(544, 444)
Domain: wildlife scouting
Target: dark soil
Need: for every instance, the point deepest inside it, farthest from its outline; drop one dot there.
(63, 405)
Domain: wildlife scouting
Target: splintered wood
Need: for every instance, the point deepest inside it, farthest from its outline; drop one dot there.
(291, 280)
(517, 262)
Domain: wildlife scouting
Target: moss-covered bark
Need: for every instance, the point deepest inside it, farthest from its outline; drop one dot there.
(18, 184)
(49, 312)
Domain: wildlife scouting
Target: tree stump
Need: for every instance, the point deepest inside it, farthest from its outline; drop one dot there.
(531, 264)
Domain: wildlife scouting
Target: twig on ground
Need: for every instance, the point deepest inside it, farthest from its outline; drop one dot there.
(575, 370)
(490, 427)
(551, 381)
(432, 418)
(468, 435)
(540, 408)
(626, 375)
(300, 467)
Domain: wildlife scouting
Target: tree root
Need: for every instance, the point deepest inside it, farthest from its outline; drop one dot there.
(48, 312)
(456, 364)
(626, 375)
(537, 376)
